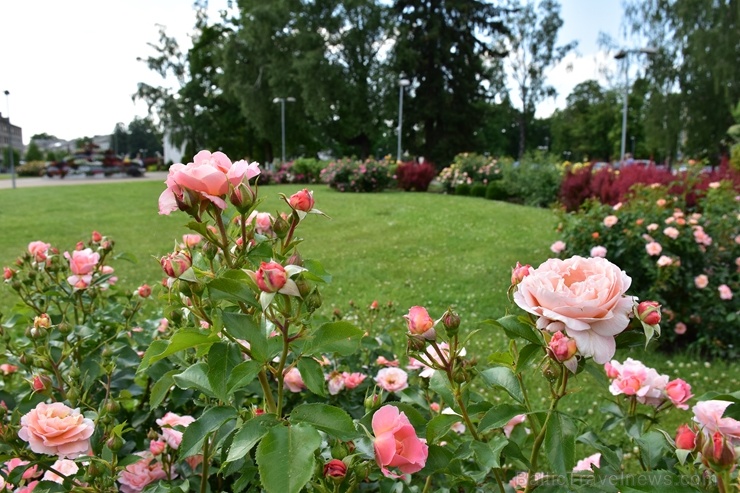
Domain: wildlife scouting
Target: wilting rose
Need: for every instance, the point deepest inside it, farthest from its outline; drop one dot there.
(679, 392)
(418, 320)
(302, 201)
(55, 429)
(685, 438)
(396, 443)
(585, 297)
(169, 434)
(135, 477)
(392, 379)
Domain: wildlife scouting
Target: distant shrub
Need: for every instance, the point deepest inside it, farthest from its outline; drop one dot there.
(496, 190)
(307, 170)
(462, 189)
(478, 190)
(468, 168)
(31, 168)
(534, 180)
(415, 176)
(348, 175)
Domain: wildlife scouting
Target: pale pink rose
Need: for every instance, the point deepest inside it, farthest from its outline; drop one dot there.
(714, 184)
(55, 429)
(630, 377)
(709, 416)
(28, 488)
(293, 380)
(29, 473)
(335, 383)
(651, 227)
(680, 328)
(701, 281)
(557, 247)
(65, 467)
(679, 392)
(7, 369)
(725, 293)
(262, 222)
(653, 248)
(352, 380)
(598, 251)
(664, 261)
(701, 237)
(655, 393)
(512, 423)
(191, 240)
(242, 171)
(135, 477)
(587, 463)
(169, 434)
(660, 202)
(396, 443)
(583, 296)
(671, 233)
(670, 220)
(392, 379)
(82, 263)
(38, 250)
(419, 322)
(383, 361)
(610, 221)
(156, 447)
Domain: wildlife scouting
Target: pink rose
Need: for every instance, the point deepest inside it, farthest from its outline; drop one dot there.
(557, 247)
(241, 172)
(28, 488)
(383, 361)
(64, 466)
(302, 201)
(419, 322)
(519, 272)
(262, 222)
(660, 202)
(396, 443)
(598, 251)
(651, 227)
(82, 263)
(709, 416)
(612, 370)
(169, 434)
(512, 423)
(653, 248)
(664, 261)
(680, 328)
(156, 447)
(135, 477)
(335, 468)
(8, 273)
(187, 184)
(610, 221)
(649, 312)
(725, 293)
(144, 291)
(671, 233)
(38, 250)
(335, 383)
(563, 349)
(7, 368)
(392, 379)
(191, 240)
(679, 392)
(587, 463)
(176, 263)
(293, 380)
(585, 297)
(685, 438)
(270, 277)
(29, 473)
(701, 281)
(55, 429)
(352, 380)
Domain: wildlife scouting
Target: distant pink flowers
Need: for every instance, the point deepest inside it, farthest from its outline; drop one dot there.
(701, 281)
(584, 297)
(725, 293)
(169, 422)
(345, 380)
(55, 429)
(396, 444)
(598, 251)
(633, 378)
(610, 221)
(557, 247)
(135, 477)
(653, 248)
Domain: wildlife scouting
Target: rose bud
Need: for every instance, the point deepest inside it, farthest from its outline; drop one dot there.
(144, 291)
(685, 438)
(176, 263)
(156, 447)
(271, 277)
(8, 273)
(519, 272)
(243, 197)
(80, 246)
(418, 320)
(451, 321)
(302, 201)
(41, 383)
(42, 321)
(96, 237)
(718, 451)
(374, 305)
(336, 470)
(649, 312)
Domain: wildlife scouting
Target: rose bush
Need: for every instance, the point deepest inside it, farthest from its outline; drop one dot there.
(243, 385)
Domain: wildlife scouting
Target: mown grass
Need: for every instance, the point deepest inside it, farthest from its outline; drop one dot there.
(408, 248)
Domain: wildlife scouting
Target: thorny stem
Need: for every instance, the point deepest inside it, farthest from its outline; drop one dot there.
(224, 240)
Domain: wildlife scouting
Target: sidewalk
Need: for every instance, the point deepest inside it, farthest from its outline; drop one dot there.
(45, 181)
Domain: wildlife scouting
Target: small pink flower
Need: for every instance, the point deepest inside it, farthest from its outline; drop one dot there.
(725, 293)
(418, 320)
(392, 379)
(135, 477)
(664, 261)
(55, 429)
(38, 250)
(396, 443)
(434, 407)
(352, 380)
(383, 361)
(262, 222)
(679, 392)
(610, 221)
(176, 263)
(144, 291)
(587, 463)
(612, 371)
(651, 227)
(598, 251)
(701, 281)
(660, 202)
(293, 380)
(335, 383)
(169, 434)
(29, 473)
(564, 349)
(680, 328)
(191, 240)
(82, 263)
(64, 466)
(653, 248)
(671, 232)
(519, 272)
(28, 488)
(557, 247)
(156, 447)
(8, 273)
(7, 369)
(649, 312)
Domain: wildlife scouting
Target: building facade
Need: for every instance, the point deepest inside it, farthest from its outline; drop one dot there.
(10, 136)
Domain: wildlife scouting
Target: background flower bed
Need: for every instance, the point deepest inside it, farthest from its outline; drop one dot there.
(350, 175)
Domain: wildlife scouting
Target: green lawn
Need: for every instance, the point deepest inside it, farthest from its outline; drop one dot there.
(409, 248)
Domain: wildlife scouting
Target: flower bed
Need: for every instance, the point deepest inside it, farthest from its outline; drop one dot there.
(349, 175)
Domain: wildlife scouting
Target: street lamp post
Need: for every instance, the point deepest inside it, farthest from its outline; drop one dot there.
(10, 140)
(282, 118)
(401, 84)
(624, 54)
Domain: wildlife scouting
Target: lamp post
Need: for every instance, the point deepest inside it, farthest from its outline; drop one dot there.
(624, 54)
(282, 117)
(401, 84)
(10, 140)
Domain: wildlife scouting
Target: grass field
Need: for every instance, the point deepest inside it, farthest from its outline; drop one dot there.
(409, 248)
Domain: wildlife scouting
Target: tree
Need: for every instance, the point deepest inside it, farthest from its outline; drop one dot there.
(532, 51)
(143, 135)
(695, 75)
(33, 153)
(441, 46)
(43, 136)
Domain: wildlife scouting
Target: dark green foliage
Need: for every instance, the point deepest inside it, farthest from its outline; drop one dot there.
(462, 189)
(496, 190)
(478, 190)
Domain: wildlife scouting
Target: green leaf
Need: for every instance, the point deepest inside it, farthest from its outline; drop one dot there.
(515, 326)
(285, 457)
(498, 416)
(329, 419)
(653, 448)
(560, 443)
(440, 384)
(161, 387)
(335, 337)
(222, 358)
(488, 454)
(312, 375)
(315, 271)
(439, 425)
(249, 434)
(609, 458)
(244, 327)
(654, 482)
(233, 286)
(526, 355)
(180, 340)
(197, 431)
(242, 375)
(504, 378)
(195, 377)
(438, 459)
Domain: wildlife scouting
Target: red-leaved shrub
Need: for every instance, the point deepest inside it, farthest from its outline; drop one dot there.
(415, 176)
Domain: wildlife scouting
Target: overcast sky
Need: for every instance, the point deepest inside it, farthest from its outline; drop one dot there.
(71, 67)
